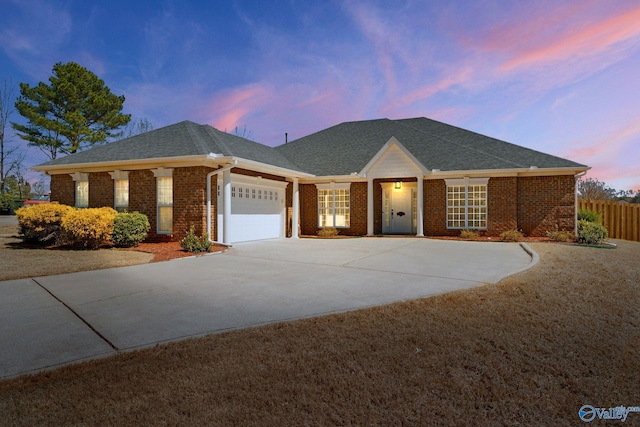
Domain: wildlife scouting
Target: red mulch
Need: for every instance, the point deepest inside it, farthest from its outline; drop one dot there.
(170, 250)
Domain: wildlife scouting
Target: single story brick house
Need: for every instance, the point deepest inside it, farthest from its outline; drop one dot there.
(412, 176)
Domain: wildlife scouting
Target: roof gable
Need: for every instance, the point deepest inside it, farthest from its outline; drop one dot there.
(393, 160)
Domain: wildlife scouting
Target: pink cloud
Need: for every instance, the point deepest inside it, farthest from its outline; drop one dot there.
(461, 76)
(613, 158)
(545, 45)
(231, 108)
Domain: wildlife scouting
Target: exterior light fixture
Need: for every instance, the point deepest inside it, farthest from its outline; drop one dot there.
(398, 185)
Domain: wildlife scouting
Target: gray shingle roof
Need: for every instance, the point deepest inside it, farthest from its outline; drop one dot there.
(348, 147)
(338, 150)
(181, 139)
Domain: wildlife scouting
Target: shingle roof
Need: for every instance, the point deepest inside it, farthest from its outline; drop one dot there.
(348, 147)
(338, 150)
(181, 139)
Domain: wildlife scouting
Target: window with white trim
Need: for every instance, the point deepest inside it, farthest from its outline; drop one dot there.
(81, 189)
(333, 205)
(121, 194)
(164, 198)
(82, 194)
(467, 203)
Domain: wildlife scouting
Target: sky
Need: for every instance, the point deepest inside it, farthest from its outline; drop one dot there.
(557, 76)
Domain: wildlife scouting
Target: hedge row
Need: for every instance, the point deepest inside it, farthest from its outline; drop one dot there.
(52, 223)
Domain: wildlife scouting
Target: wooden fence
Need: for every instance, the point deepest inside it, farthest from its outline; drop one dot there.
(622, 220)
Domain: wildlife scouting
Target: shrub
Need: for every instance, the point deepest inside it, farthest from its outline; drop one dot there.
(42, 223)
(469, 235)
(590, 216)
(560, 236)
(7, 202)
(591, 233)
(129, 229)
(511, 236)
(193, 243)
(88, 228)
(328, 232)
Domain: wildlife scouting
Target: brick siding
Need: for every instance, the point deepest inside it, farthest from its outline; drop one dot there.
(534, 205)
(502, 205)
(63, 189)
(101, 190)
(545, 202)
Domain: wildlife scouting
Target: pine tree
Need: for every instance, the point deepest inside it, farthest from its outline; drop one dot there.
(75, 111)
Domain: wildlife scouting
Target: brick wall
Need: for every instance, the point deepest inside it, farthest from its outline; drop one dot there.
(358, 210)
(190, 200)
(544, 202)
(101, 190)
(502, 205)
(63, 189)
(308, 209)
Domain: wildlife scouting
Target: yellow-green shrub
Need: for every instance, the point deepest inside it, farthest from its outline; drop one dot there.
(469, 234)
(328, 232)
(511, 236)
(42, 223)
(88, 228)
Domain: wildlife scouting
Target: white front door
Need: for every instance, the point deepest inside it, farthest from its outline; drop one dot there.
(398, 208)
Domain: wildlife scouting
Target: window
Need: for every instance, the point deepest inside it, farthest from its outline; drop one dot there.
(82, 194)
(121, 195)
(81, 186)
(164, 182)
(467, 203)
(333, 205)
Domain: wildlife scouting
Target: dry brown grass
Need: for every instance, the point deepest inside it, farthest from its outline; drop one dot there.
(18, 261)
(530, 350)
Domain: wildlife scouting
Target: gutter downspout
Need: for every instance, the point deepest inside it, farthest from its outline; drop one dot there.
(575, 218)
(209, 175)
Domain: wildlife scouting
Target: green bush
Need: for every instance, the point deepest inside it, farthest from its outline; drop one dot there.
(42, 223)
(591, 233)
(193, 243)
(511, 236)
(7, 202)
(590, 216)
(129, 229)
(328, 232)
(469, 234)
(88, 228)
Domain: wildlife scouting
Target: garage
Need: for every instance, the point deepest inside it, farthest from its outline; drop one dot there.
(257, 208)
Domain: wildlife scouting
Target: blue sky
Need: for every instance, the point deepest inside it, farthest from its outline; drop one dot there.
(557, 76)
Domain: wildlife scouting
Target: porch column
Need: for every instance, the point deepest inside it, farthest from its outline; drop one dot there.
(295, 217)
(226, 210)
(420, 208)
(370, 219)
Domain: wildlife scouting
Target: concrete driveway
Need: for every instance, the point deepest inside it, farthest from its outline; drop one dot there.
(55, 320)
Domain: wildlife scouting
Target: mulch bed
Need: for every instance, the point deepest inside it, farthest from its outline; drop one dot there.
(170, 250)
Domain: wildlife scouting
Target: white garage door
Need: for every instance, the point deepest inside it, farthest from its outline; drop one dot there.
(257, 208)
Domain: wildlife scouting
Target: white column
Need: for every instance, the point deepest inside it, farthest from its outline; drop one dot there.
(295, 217)
(420, 208)
(370, 216)
(226, 200)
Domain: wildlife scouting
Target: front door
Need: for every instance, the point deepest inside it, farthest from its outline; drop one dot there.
(398, 201)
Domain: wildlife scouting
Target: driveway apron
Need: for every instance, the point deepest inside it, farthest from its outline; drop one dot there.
(54, 320)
